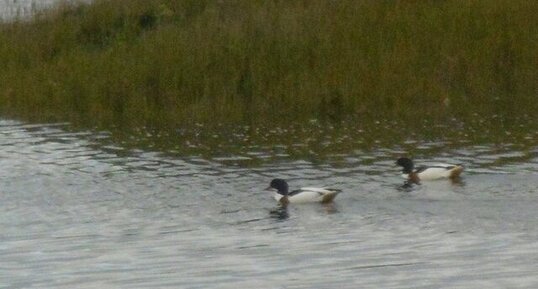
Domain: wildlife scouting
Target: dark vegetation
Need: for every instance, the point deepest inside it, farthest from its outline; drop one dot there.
(175, 62)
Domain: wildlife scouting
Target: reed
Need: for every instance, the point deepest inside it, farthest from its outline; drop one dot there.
(137, 62)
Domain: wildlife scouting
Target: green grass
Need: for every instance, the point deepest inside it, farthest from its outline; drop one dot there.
(174, 62)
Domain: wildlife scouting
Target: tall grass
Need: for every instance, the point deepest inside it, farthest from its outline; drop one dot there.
(176, 61)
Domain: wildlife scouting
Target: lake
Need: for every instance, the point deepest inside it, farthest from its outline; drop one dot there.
(186, 208)
(12, 9)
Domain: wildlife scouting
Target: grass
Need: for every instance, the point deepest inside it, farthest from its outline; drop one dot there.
(173, 62)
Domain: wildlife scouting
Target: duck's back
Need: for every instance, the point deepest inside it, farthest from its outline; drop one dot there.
(439, 171)
(312, 194)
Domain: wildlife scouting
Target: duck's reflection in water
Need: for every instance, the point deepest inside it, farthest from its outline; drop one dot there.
(279, 213)
(330, 208)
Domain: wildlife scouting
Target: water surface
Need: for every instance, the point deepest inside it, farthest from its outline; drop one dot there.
(186, 208)
(21, 9)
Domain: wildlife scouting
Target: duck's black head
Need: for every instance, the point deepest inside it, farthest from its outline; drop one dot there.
(280, 185)
(407, 165)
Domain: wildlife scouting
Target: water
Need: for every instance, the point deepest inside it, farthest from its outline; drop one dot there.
(23, 9)
(13, 9)
(186, 209)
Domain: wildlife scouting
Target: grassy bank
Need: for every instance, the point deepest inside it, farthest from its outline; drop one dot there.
(137, 62)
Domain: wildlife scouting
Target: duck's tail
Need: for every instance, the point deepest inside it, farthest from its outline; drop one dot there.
(456, 171)
(329, 197)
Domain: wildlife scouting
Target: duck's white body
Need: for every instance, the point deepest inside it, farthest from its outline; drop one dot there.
(427, 173)
(437, 171)
(309, 195)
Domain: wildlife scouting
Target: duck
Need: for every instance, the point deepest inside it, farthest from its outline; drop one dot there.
(303, 195)
(428, 173)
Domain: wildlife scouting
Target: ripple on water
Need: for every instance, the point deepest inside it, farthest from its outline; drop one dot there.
(80, 209)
